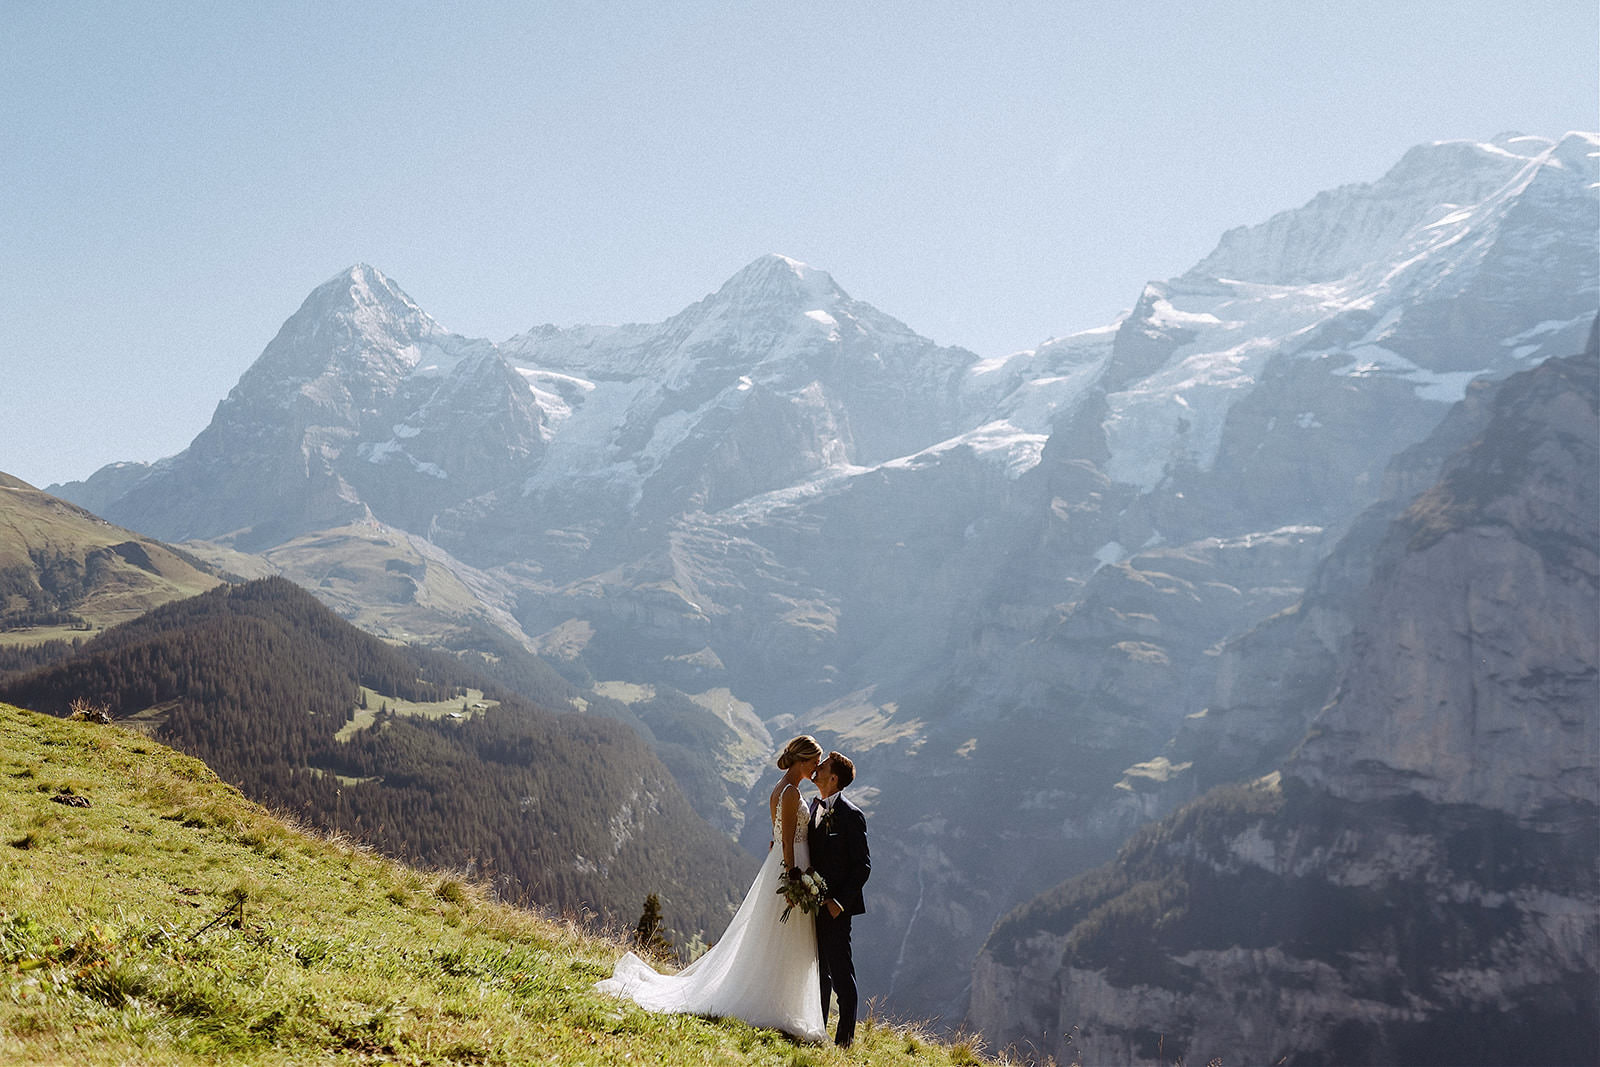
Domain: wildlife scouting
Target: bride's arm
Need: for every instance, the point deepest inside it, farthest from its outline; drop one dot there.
(789, 804)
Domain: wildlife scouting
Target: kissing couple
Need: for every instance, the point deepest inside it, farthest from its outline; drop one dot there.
(771, 968)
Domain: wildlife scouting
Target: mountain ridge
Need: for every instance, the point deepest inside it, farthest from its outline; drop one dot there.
(1416, 882)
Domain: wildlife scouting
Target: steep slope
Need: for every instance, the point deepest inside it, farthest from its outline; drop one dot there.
(1421, 883)
(63, 570)
(568, 811)
(152, 915)
(1274, 676)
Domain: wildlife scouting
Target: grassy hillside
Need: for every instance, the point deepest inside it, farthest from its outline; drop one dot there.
(150, 914)
(382, 579)
(63, 570)
(259, 680)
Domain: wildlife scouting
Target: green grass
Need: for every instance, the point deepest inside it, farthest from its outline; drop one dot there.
(38, 635)
(41, 528)
(439, 709)
(371, 575)
(173, 922)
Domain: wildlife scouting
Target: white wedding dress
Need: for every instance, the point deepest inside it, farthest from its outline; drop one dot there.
(762, 971)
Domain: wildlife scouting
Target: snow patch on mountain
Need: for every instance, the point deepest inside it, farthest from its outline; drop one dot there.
(582, 443)
(1177, 414)
(1367, 361)
(819, 316)
(1031, 388)
(1015, 450)
(556, 394)
(439, 357)
(1526, 343)
(759, 507)
(675, 427)
(1451, 219)
(387, 451)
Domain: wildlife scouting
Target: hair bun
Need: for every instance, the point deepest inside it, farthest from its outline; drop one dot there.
(798, 750)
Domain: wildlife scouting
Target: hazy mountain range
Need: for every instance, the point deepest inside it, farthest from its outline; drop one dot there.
(1417, 880)
(1007, 585)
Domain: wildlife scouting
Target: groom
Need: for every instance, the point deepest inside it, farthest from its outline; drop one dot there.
(838, 841)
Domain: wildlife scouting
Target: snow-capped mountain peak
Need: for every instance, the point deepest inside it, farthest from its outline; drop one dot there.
(1351, 227)
(358, 325)
(1431, 276)
(369, 298)
(778, 280)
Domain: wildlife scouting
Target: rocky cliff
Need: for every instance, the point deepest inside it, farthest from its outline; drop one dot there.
(1420, 882)
(361, 400)
(1232, 429)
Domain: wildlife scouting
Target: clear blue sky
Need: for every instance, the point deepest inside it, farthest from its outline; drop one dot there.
(176, 177)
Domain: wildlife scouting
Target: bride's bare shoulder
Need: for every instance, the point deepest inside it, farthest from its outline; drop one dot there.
(785, 796)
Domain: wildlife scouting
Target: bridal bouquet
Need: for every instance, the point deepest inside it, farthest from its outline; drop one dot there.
(806, 892)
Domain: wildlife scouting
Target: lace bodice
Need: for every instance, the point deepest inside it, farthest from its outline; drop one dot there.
(802, 821)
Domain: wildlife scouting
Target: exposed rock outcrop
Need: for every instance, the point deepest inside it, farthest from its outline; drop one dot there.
(1421, 882)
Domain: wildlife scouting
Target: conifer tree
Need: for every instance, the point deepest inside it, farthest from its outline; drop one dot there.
(647, 934)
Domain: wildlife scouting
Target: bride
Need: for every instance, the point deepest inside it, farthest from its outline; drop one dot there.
(762, 971)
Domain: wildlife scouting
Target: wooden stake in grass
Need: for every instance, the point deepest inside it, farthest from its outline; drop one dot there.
(236, 907)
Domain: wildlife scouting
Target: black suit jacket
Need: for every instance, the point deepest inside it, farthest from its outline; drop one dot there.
(839, 853)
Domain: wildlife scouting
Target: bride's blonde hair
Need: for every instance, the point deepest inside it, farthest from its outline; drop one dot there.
(798, 750)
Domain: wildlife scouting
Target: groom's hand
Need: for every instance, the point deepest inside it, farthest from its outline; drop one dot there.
(834, 909)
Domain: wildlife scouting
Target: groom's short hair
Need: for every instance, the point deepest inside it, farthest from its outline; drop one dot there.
(842, 767)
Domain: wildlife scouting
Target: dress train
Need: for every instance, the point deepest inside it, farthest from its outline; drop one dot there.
(762, 971)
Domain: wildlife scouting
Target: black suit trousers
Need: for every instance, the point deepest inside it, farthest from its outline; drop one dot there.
(838, 972)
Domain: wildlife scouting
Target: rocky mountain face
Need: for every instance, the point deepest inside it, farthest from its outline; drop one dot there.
(1008, 585)
(360, 399)
(1272, 677)
(776, 378)
(1233, 431)
(1420, 882)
